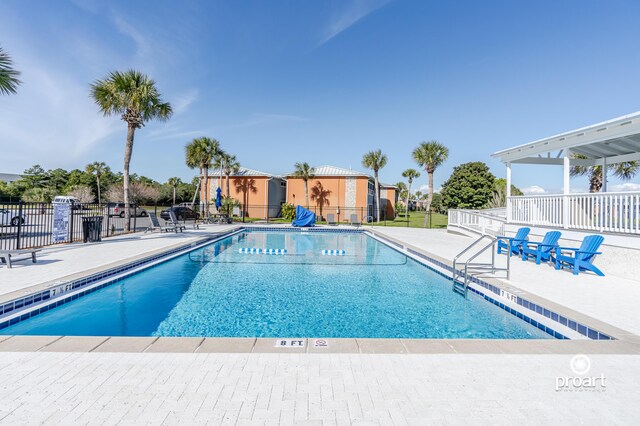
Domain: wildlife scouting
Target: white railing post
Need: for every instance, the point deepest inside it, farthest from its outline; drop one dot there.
(508, 204)
(566, 189)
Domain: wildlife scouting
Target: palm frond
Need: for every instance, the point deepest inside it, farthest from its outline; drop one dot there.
(8, 76)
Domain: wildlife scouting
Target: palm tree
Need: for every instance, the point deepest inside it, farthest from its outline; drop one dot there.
(230, 165)
(430, 155)
(320, 196)
(135, 96)
(375, 160)
(97, 168)
(218, 164)
(410, 174)
(192, 160)
(200, 153)
(305, 172)
(173, 183)
(624, 171)
(8, 76)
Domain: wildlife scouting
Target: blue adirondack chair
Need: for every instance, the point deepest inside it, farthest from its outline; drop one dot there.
(582, 258)
(541, 251)
(513, 245)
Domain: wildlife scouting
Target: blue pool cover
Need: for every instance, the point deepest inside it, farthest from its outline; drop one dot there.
(304, 217)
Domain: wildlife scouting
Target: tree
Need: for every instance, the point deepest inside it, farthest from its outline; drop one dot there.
(499, 197)
(501, 185)
(430, 155)
(8, 76)
(97, 168)
(83, 193)
(57, 180)
(470, 186)
(200, 153)
(375, 160)
(320, 196)
(401, 187)
(230, 165)
(624, 171)
(305, 172)
(173, 183)
(34, 177)
(38, 195)
(410, 174)
(135, 96)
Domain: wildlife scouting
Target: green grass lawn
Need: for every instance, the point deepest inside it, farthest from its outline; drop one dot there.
(415, 221)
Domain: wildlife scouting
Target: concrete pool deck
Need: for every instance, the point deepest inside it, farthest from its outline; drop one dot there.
(109, 380)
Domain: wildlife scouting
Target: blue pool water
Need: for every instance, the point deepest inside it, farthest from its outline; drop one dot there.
(371, 291)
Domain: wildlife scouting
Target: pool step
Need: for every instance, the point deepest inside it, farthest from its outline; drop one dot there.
(460, 288)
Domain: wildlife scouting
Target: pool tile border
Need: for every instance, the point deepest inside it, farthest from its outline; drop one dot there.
(583, 329)
(16, 306)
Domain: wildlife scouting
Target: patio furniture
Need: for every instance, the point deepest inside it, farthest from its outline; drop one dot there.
(354, 221)
(514, 245)
(582, 258)
(541, 251)
(7, 257)
(331, 219)
(173, 221)
(155, 224)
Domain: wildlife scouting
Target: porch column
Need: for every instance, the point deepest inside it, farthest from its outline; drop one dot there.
(604, 174)
(566, 188)
(508, 204)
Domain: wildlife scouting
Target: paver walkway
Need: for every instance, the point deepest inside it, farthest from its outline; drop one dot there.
(71, 388)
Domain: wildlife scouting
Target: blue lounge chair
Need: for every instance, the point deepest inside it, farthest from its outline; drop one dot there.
(541, 251)
(514, 244)
(583, 257)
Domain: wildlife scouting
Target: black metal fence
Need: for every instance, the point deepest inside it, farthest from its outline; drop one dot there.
(341, 215)
(27, 225)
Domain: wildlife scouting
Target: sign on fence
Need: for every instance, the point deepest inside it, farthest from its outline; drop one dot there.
(61, 214)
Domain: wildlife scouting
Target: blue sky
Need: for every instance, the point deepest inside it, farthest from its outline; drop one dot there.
(322, 82)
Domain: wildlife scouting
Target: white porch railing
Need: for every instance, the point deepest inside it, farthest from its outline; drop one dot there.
(617, 212)
(482, 221)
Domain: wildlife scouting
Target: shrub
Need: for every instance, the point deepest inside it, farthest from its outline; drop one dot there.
(288, 211)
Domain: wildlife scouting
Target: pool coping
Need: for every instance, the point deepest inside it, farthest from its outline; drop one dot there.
(624, 343)
(199, 345)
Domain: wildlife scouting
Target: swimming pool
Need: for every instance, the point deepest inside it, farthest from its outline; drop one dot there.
(231, 288)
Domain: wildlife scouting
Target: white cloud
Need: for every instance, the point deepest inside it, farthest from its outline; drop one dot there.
(425, 188)
(351, 13)
(51, 120)
(174, 131)
(534, 190)
(627, 186)
(143, 45)
(181, 103)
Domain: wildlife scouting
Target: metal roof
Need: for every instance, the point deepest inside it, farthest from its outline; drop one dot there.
(387, 186)
(617, 140)
(334, 171)
(9, 177)
(243, 171)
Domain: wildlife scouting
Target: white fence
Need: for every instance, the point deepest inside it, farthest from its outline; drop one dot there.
(617, 212)
(482, 221)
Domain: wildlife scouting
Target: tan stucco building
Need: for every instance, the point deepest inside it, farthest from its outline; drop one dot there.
(342, 192)
(260, 194)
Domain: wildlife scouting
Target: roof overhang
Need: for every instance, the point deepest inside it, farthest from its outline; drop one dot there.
(613, 141)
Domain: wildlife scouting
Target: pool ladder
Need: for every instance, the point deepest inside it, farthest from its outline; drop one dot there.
(469, 268)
